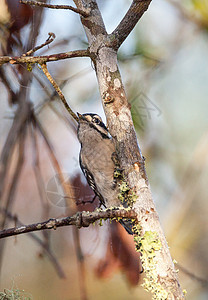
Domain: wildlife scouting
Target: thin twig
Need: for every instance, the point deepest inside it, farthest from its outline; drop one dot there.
(21, 116)
(51, 97)
(44, 58)
(49, 40)
(58, 90)
(36, 165)
(41, 4)
(80, 219)
(18, 126)
(6, 82)
(13, 186)
(40, 184)
(16, 176)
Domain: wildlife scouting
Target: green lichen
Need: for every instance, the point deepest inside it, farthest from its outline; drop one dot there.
(147, 245)
(123, 191)
(29, 67)
(131, 198)
(123, 187)
(117, 173)
(14, 294)
(126, 196)
(101, 222)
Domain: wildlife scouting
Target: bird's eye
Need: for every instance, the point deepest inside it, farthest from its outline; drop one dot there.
(95, 120)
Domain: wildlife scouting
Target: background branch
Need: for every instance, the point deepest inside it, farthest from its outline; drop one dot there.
(80, 219)
(50, 39)
(69, 7)
(43, 59)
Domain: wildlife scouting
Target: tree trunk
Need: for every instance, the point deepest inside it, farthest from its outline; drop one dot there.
(161, 277)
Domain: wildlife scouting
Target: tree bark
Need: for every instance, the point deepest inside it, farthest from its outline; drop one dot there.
(103, 52)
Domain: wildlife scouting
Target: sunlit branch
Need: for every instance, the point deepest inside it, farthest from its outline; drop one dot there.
(43, 59)
(80, 219)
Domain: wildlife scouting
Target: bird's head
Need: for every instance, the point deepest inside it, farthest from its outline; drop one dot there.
(91, 126)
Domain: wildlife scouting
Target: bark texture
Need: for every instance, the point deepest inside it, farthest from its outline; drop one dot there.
(103, 52)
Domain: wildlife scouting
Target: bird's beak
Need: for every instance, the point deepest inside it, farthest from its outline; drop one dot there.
(79, 115)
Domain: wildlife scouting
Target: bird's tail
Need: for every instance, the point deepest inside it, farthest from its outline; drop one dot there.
(127, 224)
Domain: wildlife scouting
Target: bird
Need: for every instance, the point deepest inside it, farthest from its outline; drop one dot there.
(96, 161)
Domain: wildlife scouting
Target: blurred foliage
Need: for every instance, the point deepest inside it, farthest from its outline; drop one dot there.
(201, 6)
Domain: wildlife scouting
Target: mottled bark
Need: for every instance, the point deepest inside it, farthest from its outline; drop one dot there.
(103, 51)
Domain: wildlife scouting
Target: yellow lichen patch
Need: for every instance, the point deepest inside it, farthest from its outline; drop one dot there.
(147, 245)
(126, 196)
(101, 222)
(29, 67)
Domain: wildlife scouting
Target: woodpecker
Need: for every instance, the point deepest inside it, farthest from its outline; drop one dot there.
(96, 161)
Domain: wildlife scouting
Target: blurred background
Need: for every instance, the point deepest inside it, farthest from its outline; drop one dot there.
(164, 68)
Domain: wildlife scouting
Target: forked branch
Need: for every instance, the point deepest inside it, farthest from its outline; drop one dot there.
(50, 39)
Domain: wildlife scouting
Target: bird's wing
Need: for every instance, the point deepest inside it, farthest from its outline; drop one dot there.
(90, 179)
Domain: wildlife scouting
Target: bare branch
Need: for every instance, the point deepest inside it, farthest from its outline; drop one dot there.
(69, 7)
(58, 90)
(21, 117)
(80, 219)
(43, 59)
(36, 165)
(133, 15)
(16, 176)
(49, 40)
(40, 185)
